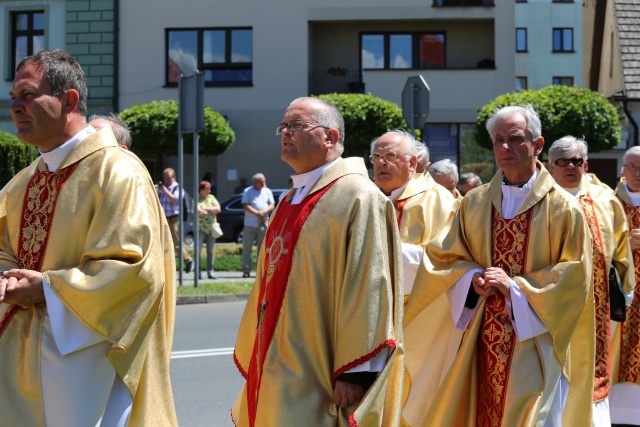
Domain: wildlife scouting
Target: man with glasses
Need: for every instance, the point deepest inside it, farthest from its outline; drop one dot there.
(625, 393)
(610, 241)
(515, 267)
(319, 343)
(258, 203)
(424, 210)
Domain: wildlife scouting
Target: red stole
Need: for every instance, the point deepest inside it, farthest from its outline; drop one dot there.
(630, 346)
(282, 236)
(398, 206)
(602, 379)
(38, 207)
(497, 340)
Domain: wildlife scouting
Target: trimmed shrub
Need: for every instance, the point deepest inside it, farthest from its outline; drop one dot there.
(16, 156)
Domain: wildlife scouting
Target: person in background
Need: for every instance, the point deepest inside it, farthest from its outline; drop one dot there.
(241, 186)
(468, 181)
(168, 192)
(258, 203)
(422, 156)
(608, 224)
(445, 173)
(208, 208)
(625, 392)
(516, 269)
(320, 343)
(87, 268)
(118, 126)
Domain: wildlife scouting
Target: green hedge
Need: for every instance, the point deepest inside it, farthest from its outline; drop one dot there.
(154, 128)
(563, 110)
(15, 155)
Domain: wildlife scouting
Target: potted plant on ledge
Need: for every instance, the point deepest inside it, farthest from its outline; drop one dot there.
(337, 71)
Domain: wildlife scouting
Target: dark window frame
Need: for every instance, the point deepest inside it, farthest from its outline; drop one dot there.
(415, 48)
(557, 80)
(206, 66)
(526, 82)
(561, 30)
(526, 40)
(29, 33)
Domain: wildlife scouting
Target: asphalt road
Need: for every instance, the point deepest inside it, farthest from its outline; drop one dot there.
(204, 378)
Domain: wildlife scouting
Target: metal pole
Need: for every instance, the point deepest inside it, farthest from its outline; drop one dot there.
(413, 110)
(181, 183)
(196, 192)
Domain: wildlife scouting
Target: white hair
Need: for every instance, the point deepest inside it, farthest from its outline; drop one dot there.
(530, 116)
(444, 168)
(565, 146)
(633, 151)
(408, 140)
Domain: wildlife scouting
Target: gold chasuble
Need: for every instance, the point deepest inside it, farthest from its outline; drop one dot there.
(110, 262)
(327, 298)
(610, 242)
(626, 341)
(496, 379)
(425, 210)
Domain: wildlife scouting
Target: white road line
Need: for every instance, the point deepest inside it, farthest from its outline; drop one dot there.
(202, 353)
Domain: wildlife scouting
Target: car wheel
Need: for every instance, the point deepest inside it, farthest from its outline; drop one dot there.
(238, 236)
(188, 240)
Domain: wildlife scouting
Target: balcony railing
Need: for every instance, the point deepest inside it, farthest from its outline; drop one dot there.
(463, 3)
(321, 82)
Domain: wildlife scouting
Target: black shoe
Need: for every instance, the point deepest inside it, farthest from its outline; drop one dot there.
(188, 266)
(245, 275)
(211, 276)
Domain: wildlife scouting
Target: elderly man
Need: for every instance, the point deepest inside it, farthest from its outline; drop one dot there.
(319, 342)
(625, 393)
(445, 173)
(424, 210)
(88, 285)
(608, 224)
(118, 126)
(467, 182)
(258, 203)
(516, 270)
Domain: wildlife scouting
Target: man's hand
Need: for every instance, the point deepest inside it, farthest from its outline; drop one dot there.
(21, 287)
(496, 278)
(634, 239)
(481, 287)
(346, 394)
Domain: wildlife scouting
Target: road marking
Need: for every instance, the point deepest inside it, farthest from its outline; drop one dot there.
(202, 353)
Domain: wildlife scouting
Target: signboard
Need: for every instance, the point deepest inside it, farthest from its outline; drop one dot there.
(191, 103)
(415, 102)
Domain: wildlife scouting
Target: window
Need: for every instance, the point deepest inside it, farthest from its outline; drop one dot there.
(402, 51)
(563, 39)
(566, 81)
(521, 39)
(224, 54)
(521, 83)
(27, 35)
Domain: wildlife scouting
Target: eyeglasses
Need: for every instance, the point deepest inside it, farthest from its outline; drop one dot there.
(297, 125)
(389, 156)
(632, 169)
(575, 161)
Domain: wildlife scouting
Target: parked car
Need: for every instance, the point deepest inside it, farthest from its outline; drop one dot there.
(231, 216)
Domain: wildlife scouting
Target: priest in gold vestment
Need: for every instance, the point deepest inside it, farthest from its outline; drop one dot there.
(516, 270)
(625, 392)
(610, 241)
(87, 289)
(320, 340)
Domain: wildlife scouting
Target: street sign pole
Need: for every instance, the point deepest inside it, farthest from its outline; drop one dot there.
(415, 102)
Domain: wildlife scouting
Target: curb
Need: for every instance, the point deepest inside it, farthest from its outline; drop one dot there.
(208, 299)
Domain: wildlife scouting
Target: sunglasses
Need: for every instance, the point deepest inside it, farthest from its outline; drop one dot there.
(576, 161)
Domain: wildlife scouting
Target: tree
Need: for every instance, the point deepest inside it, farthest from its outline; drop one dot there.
(154, 128)
(366, 117)
(563, 110)
(15, 154)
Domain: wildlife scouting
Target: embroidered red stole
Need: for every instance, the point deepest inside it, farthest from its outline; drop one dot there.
(38, 207)
(282, 236)
(398, 206)
(630, 346)
(497, 340)
(601, 381)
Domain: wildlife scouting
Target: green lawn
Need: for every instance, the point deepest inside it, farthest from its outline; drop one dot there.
(216, 288)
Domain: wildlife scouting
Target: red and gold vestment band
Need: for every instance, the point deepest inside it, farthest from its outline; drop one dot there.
(110, 262)
(427, 212)
(555, 279)
(626, 341)
(341, 304)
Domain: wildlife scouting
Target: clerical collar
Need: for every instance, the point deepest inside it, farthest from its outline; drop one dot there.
(633, 196)
(303, 182)
(577, 191)
(397, 192)
(54, 157)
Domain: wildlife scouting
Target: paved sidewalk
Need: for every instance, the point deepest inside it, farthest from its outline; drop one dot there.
(223, 276)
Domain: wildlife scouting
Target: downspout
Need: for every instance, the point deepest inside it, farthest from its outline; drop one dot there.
(116, 55)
